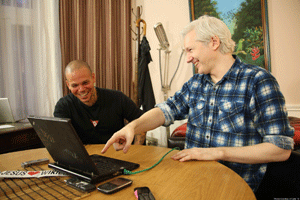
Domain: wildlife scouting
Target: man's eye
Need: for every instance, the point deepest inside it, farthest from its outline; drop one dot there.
(74, 86)
(189, 50)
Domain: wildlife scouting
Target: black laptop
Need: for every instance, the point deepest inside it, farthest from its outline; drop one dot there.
(69, 154)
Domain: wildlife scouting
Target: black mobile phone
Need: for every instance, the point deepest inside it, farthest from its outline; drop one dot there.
(114, 185)
(143, 193)
(80, 185)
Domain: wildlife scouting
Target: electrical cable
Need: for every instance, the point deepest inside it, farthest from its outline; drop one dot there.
(161, 81)
(128, 172)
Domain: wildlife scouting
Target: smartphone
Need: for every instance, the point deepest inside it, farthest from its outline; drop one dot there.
(143, 193)
(80, 185)
(114, 185)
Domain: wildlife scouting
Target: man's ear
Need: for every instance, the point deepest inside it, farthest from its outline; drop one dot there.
(215, 41)
(94, 78)
(67, 82)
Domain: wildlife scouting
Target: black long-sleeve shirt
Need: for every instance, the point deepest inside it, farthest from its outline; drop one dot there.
(97, 123)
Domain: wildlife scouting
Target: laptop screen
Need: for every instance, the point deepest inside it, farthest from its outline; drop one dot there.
(63, 143)
(6, 115)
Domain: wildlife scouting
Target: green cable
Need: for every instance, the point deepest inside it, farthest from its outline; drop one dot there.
(128, 172)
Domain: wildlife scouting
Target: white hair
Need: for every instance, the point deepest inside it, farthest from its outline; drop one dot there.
(207, 27)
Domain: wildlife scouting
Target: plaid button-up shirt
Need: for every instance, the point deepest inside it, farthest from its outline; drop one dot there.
(244, 108)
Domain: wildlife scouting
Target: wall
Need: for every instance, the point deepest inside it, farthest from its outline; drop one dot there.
(174, 15)
(284, 27)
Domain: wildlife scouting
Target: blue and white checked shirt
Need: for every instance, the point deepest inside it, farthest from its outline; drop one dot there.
(244, 108)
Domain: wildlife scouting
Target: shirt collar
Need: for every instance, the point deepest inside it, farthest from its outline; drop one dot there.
(233, 71)
(231, 74)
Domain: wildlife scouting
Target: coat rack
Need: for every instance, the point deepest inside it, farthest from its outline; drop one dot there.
(138, 41)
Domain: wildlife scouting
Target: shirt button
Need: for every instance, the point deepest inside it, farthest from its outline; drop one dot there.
(211, 104)
(209, 120)
(207, 137)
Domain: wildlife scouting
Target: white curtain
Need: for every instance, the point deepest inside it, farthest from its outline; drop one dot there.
(30, 56)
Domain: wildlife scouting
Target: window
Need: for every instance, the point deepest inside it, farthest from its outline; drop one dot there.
(24, 25)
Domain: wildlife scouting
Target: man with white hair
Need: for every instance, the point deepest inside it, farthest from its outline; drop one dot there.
(236, 112)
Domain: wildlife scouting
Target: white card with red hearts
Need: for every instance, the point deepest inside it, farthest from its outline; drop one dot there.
(30, 174)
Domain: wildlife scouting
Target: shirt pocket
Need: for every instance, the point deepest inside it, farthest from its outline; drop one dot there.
(231, 117)
(196, 111)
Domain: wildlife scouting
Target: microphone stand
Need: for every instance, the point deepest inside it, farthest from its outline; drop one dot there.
(164, 45)
(164, 80)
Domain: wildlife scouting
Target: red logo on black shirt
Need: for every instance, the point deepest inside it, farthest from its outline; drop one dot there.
(95, 122)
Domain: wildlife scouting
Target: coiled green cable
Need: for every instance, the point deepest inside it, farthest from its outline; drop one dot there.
(128, 172)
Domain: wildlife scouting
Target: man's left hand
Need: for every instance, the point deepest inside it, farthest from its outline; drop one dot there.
(198, 154)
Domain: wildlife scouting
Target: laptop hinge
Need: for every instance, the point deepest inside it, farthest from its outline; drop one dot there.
(86, 178)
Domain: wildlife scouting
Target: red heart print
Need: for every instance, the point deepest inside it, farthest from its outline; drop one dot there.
(33, 173)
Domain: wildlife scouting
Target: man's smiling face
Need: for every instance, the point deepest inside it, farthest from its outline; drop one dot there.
(198, 53)
(81, 83)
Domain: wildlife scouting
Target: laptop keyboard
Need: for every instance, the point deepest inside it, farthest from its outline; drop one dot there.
(109, 164)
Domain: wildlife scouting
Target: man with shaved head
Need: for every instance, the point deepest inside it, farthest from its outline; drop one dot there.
(95, 113)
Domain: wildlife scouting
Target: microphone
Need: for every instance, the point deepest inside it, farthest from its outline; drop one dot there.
(161, 35)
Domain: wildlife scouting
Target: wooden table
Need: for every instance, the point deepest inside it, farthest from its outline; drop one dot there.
(168, 180)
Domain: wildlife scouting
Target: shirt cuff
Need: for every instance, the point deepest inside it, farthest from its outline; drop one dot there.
(281, 141)
(169, 119)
